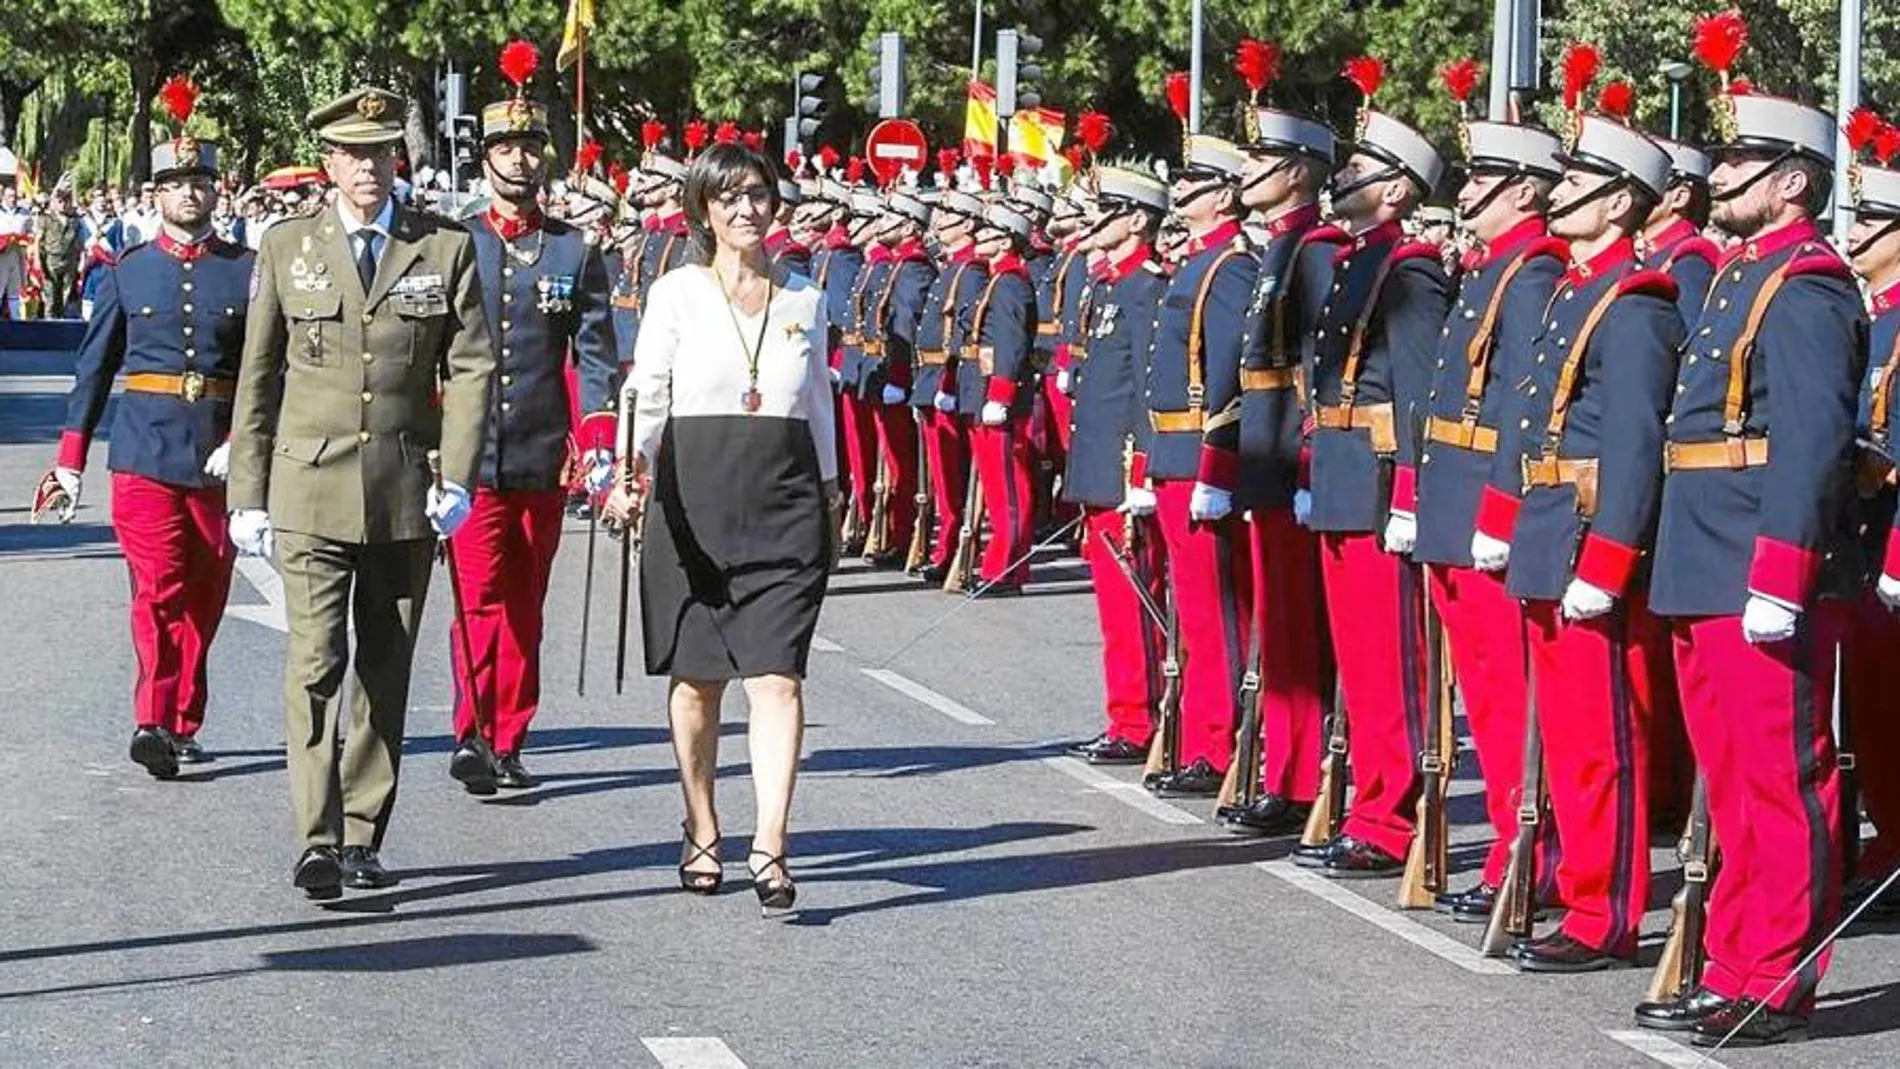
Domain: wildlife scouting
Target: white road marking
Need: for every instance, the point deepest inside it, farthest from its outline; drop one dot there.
(15, 385)
(1427, 939)
(957, 711)
(1130, 794)
(825, 645)
(696, 1052)
(1662, 1049)
(270, 586)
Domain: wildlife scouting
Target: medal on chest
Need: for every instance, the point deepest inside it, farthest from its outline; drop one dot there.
(556, 294)
(1105, 320)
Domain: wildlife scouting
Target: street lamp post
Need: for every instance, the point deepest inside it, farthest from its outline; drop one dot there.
(1677, 72)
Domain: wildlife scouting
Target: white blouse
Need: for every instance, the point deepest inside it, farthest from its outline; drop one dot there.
(688, 360)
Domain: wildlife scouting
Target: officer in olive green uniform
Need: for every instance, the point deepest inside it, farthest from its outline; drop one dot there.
(366, 348)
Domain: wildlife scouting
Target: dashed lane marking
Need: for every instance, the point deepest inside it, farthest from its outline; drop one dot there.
(1465, 957)
(692, 1052)
(1129, 794)
(1663, 1049)
(957, 711)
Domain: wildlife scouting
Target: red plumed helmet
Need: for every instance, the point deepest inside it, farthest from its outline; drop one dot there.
(753, 140)
(794, 160)
(727, 133)
(1006, 165)
(180, 95)
(854, 170)
(1887, 144)
(652, 132)
(1618, 99)
(827, 157)
(1461, 78)
(1862, 127)
(1719, 39)
(619, 177)
(947, 160)
(696, 135)
(983, 166)
(1257, 63)
(1582, 61)
(1177, 90)
(1093, 129)
(587, 155)
(519, 60)
(1366, 72)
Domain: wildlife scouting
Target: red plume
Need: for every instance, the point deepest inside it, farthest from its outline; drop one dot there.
(947, 160)
(587, 155)
(1862, 127)
(180, 95)
(1461, 78)
(727, 133)
(696, 135)
(854, 170)
(519, 60)
(1177, 89)
(1366, 72)
(1740, 87)
(1094, 129)
(619, 177)
(984, 166)
(1887, 144)
(827, 157)
(652, 132)
(1006, 165)
(1719, 39)
(1618, 99)
(793, 160)
(1257, 63)
(1074, 155)
(1582, 61)
(753, 140)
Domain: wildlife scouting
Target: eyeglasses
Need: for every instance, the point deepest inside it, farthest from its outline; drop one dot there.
(757, 196)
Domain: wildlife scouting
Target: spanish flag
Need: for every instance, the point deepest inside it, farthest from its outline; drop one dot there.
(979, 122)
(580, 22)
(1035, 136)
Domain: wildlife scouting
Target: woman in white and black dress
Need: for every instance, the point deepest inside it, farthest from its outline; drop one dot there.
(732, 452)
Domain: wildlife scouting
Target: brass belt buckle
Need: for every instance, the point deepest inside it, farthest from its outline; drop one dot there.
(191, 387)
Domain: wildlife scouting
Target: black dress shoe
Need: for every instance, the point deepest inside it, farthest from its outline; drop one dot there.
(934, 574)
(1471, 906)
(890, 558)
(152, 749)
(1356, 859)
(1315, 856)
(1764, 1029)
(1269, 815)
(854, 548)
(1559, 952)
(1198, 780)
(1105, 749)
(363, 871)
(1679, 1014)
(512, 775)
(187, 750)
(473, 765)
(319, 873)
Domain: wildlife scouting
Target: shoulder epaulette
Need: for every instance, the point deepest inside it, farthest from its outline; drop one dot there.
(1325, 234)
(1651, 283)
(1812, 259)
(1415, 250)
(1556, 248)
(1698, 247)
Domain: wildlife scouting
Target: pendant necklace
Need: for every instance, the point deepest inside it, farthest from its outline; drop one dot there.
(750, 400)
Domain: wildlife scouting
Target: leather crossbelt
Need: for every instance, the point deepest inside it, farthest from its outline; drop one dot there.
(1558, 471)
(627, 301)
(1254, 379)
(192, 386)
(933, 357)
(1732, 454)
(1463, 435)
(1376, 420)
(1190, 422)
(1049, 328)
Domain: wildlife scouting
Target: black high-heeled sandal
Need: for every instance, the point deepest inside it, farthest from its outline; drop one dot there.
(700, 883)
(773, 894)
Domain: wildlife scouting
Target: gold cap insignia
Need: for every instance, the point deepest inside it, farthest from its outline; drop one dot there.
(520, 114)
(371, 106)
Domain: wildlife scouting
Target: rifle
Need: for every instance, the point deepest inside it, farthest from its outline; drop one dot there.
(434, 460)
(1426, 863)
(920, 531)
(876, 538)
(1241, 786)
(963, 563)
(1164, 755)
(1680, 967)
(1511, 915)
(1329, 805)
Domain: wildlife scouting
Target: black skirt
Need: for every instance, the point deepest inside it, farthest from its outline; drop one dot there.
(738, 549)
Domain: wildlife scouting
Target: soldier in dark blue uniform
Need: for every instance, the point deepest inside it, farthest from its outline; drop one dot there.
(782, 243)
(545, 289)
(835, 266)
(1464, 526)
(1062, 332)
(1672, 239)
(859, 429)
(1372, 366)
(996, 382)
(1107, 385)
(1194, 365)
(1588, 410)
(960, 278)
(1753, 534)
(895, 311)
(170, 316)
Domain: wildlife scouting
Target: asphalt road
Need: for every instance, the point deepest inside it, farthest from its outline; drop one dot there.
(967, 897)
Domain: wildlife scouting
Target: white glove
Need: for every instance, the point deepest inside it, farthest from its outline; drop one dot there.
(946, 403)
(894, 395)
(1583, 601)
(995, 413)
(836, 377)
(69, 481)
(447, 508)
(599, 467)
(251, 533)
(1302, 507)
(1139, 501)
(218, 464)
(1887, 589)
(1209, 503)
(1065, 382)
(1768, 620)
(1490, 555)
(1401, 532)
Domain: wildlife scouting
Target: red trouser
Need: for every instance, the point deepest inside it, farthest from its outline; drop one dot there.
(179, 556)
(1373, 603)
(1212, 584)
(1131, 641)
(1596, 687)
(1286, 609)
(1873, 709)
(860, 448)
(1002, 463)
(1485, 629)
(503, 556)
(949, 453)
(1060, 410)
(897, 443)
(1758, 719)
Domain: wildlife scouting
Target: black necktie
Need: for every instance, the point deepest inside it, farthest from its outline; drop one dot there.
(366, 259)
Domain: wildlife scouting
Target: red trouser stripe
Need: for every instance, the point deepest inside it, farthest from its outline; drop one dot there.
(860, 448)
(179, 559)
(503, 557)
(1285, 561)
(949, 479)
(1372, 602)
(1002, 459)
(1131, 642)
(897, 443)
(1211, 584)
(1485, 630)
(1873, 704)
(1758, 719)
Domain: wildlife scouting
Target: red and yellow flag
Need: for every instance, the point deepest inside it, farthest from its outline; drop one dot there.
(580, 22)
(979, 122)
(1035, 136)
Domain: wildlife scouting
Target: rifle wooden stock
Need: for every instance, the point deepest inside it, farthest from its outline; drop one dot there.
(1516, 903)
(963, 563)
(1241, 786)
(919, 551)
(877, 539)
(1680, 967)
(1164, 754)
(1427, 861)
(1329, 805)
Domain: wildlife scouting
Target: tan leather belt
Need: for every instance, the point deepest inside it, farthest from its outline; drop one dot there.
(1464, 436)
(1175, 422)
(1048, 329)
(1267, 378)
(933, 357)
(873, 347)
(1376, 420)
(984, 355)
(852, 338)
(1557, 471)
(192, 386)
(627, 301)
(1733, 454)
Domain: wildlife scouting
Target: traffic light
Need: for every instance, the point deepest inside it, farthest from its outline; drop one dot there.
(1018, 78)
(887, 77)
(811, 110)
(451, 91)
(467, 141)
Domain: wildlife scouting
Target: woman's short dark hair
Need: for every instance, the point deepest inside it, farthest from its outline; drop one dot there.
(721, 169)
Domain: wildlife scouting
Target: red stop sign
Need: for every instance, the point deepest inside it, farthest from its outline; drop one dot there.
(894, 146)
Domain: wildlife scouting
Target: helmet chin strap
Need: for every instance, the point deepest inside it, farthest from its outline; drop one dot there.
(1283, 164)
(1485, 202)
(1732, 193)
(1340, 193)
(1212, 185)
(1101, 224)
(1601, 191)
(1873, 239)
